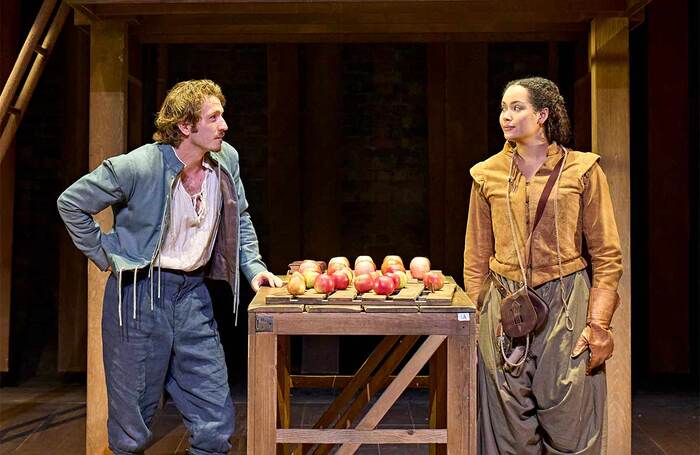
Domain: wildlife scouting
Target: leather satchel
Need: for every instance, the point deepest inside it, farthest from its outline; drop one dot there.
(524, 311)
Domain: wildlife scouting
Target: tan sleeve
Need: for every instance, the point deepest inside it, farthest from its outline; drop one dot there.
(478, 243)
(600, 230)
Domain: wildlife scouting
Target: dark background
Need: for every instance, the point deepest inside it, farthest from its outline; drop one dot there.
(383, 172)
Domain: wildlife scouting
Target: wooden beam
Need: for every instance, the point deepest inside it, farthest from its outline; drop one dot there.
(108, 137)
(9, 47)
(362, 436)
(545, 9)
(395, 389)
(173, 37)
(72, 270)
(438, 395)
(300, 381)
(609, 62)
(284, 196)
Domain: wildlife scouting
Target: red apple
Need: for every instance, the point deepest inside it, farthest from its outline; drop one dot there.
(389, 261)
(419, 265)
(296, 284)
(403, 278)
(340, 279)
(334, 267)
(309, 264)
(310, 278)
(364, 283)
(324, 284)
(364, 267)
(375, 274)
(394, 268)
(396, 278)
(384, 285)
(433, 280)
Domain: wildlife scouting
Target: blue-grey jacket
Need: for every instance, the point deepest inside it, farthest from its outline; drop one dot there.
(138, 186)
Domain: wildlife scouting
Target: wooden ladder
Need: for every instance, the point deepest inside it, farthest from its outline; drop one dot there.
(13, 106)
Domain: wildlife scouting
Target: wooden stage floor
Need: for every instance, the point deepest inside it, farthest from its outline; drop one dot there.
(44, 419)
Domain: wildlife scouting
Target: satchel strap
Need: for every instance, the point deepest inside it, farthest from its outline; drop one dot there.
(541, 204)
(547, 191)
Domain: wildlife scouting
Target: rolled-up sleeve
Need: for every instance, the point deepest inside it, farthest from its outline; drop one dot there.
(478, 243)
(600, 230)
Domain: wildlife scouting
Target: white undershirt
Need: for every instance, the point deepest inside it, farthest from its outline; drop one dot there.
(190, 238)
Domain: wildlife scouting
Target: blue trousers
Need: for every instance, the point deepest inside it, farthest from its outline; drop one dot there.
(175, 347)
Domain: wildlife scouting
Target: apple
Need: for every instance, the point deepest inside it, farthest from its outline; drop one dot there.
(296, 284)
(394, 268)
(396, 278)
(309, 264)
(419, 265)
(324, 284)
(364, 267)
(310, 278)
(375, 274)
(364, 283)
(349, 273)
(384, 285)
(394, 258)
(340, 279)
(364, 258)
(340, 260)
(433, 280)
(403, 278)
(391, 260)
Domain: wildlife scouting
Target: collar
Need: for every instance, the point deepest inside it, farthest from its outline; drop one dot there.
(552, 149)
(170, 159)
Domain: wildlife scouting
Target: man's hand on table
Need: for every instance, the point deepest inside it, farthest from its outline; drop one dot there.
(265, 279)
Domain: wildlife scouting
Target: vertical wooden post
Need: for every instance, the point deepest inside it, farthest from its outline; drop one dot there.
(283, 163)
(609, 62)
(72, 271)
(466, 128)
(108, 130)
(438, 394)
(9, 48)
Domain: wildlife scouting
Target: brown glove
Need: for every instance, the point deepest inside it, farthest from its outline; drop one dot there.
(597, 336)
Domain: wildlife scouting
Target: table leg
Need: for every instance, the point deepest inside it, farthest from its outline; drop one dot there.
(458, 395)
(438, 395)
(284, 418)
(262, 388)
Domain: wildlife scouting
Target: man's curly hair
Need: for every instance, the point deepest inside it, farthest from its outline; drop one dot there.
(545, 93)
(183, 104)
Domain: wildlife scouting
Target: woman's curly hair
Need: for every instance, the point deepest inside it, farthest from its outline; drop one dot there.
(183, 104)
(545, 94)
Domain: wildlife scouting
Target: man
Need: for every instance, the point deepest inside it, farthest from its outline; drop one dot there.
(180, 217)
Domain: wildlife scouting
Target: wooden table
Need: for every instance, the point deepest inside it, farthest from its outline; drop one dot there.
(445, 336)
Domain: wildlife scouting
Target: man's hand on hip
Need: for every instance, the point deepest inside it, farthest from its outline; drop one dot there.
(265, 278)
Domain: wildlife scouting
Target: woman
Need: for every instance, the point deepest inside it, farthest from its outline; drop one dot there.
(543, 392)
